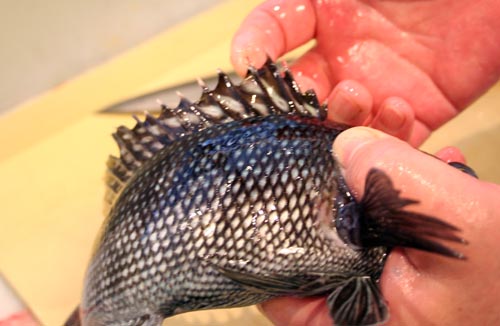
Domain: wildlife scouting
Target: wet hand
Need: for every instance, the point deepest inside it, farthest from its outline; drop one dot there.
(421, 288)
(406, 67)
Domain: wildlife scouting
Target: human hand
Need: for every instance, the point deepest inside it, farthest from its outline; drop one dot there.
(404, 67)
(421, 288)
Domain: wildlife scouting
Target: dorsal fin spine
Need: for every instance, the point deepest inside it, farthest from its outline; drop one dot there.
(252, 97)
(234, 92)
(268, 100)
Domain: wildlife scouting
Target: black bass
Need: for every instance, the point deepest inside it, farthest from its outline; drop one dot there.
(237, 198)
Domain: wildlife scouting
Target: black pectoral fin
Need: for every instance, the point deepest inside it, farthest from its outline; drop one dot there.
(384, 222)
(358, 302)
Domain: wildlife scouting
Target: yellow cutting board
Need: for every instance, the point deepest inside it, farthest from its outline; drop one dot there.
(54, 148)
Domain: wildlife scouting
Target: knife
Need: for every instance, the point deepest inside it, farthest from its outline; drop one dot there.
(169, 96)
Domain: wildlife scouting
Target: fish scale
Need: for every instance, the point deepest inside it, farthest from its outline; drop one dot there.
(194, 174)
(241, 204)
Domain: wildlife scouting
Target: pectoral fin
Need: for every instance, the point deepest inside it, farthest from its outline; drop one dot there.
(381, 220)
(299, 285)
(358, 302)
(269, 284)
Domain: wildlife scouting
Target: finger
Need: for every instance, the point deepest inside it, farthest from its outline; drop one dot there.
(297, 312)
(13, 310)
(272, 29)
(386, 74)
(415, 283)
(312, 70)
(417, 174)
(395, 117)
(438, 187)
(419, 134)
(349, 103)
(450, 154)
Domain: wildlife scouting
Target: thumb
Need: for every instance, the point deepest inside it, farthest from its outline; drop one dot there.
(414, 283)
(438, 187)
(416, 174)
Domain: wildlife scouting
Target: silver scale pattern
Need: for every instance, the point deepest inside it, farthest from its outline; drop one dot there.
(253, 197)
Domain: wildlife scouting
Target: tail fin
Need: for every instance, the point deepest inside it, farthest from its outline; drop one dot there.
(379, 219)
(74, 318)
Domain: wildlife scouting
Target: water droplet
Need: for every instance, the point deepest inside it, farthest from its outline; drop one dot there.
(300, 8)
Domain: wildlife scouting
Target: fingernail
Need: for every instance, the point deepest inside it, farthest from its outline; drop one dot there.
(343, 108)
(392, 119)
(350, 141)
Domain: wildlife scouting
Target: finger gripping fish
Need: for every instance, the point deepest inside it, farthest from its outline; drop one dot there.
(236, 199)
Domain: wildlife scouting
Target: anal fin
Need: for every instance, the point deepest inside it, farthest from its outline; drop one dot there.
(358, 301)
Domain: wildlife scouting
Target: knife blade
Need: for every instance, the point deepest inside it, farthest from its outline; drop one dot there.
(169, 96)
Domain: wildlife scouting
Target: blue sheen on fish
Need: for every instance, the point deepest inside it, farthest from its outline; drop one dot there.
(236, 199)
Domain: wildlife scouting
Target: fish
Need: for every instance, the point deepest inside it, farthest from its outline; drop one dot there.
(238, 198)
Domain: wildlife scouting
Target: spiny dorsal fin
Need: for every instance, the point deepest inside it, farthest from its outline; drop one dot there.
(264, 91)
